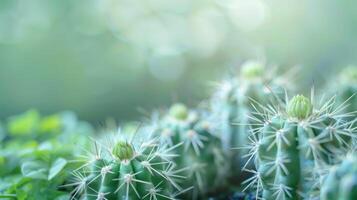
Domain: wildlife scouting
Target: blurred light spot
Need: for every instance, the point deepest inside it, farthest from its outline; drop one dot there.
(89, 17)
(24, 19)
(167, 64)
(208, 31)
(248, 14)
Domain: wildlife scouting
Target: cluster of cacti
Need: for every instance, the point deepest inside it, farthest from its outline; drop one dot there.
(125, 170)
(200, 153)
(289, 142)
(341, 181)
(291, 149)
(293, 143)
(232, 110)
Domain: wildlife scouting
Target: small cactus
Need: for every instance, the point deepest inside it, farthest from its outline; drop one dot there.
(200, 151)
(232, 110)
(347, 87)
(341, 181)
(129, 171)
(293, 143)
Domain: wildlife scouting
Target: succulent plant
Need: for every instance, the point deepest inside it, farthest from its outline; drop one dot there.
(295, 141)
(341, 181)
(346, 87)
(36, 153)
(200, 151)
(128, 170)
(232, 110)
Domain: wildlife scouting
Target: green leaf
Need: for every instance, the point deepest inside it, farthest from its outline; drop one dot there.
(34, 169)
(50, 124)
(56, 167)
(7, 196)
(21, 195)
(24, 124)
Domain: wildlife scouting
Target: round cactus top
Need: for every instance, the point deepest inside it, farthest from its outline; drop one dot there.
(179, 111)
(252, 69)
(349, 74)
(123, 151)
(299, 107)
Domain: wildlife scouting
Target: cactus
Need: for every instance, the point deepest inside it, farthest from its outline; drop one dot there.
(294, 142)
(341, 181)
(128, 170)
(199, 150)
(231, 107)
(347, 87)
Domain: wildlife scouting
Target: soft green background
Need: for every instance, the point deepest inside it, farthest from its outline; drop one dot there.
(104, 58)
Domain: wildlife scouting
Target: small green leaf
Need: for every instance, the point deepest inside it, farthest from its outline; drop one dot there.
(7, 196)
(21, 195)
(56, 167)
(34, 169)
(50, 124)
(24, 124)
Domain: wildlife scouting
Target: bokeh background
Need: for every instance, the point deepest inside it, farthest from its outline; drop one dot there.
(113, 58)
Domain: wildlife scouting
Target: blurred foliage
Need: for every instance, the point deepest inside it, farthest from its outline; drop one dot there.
(38, 152)
(105, 58)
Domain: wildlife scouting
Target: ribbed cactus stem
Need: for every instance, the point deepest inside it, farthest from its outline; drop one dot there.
(233, 113)
(92, 181)
(179, 111)
(279, 163)
(288, 151)
(128, 172)
(198, 149)
(341, 181)
(299, 107)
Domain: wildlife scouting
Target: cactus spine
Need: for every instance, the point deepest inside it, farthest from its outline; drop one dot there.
(124, 171)
(293, 143)
(200, 151)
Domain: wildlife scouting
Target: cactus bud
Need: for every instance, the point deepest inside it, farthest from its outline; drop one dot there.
(252, 70)
(123, 151)
(299, 107)
(179, 111)
(349, 74)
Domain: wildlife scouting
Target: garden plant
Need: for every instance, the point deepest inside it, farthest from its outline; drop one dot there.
(250, 140)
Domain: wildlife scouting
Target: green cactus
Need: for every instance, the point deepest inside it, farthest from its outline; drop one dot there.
(200, 151)
(128, 170)
(347, 87)
(341, 181)
(232, 109)
(293, 143)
